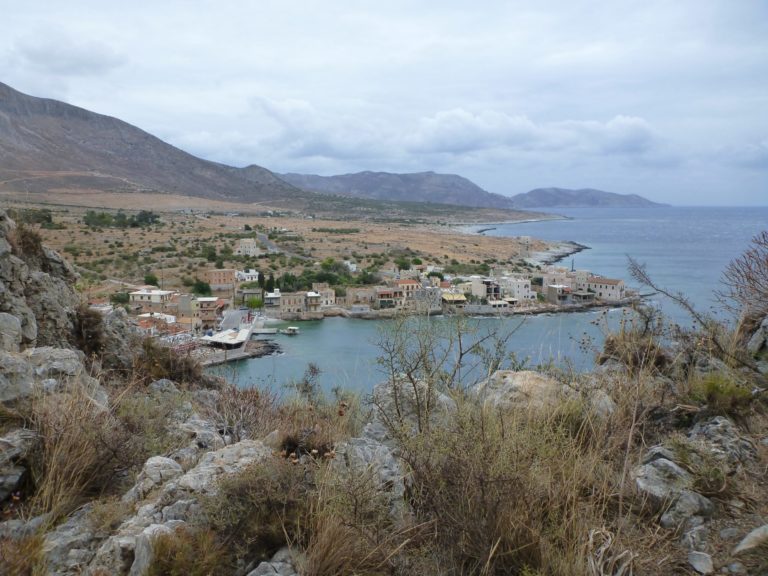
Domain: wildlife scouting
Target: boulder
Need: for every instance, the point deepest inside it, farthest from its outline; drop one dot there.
(520, 389)
(10, 332)
(668, 488)
(212, 465)
(280, 565)
(759, 340)
(701, 562)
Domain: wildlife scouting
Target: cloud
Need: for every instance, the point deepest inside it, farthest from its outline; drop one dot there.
(753, 155)
(458, 131)
(60, 55)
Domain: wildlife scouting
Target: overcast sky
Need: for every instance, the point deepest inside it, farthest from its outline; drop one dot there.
(664, 99)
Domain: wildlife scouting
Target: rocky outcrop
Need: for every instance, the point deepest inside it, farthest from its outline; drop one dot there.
(281, 564)
(14, 448)
(164, 498)
(36, 287)
(45, 370)
(537, 391)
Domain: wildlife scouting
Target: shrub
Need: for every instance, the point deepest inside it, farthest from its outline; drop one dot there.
(78, 455)
(262, 508)
(155, 362)
(721, 393)
(89, 330)
(244, 412)
(188, 552)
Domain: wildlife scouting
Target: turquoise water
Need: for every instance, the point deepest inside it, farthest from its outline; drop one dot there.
(684, 249)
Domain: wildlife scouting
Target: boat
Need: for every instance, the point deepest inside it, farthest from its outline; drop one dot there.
(289, 331)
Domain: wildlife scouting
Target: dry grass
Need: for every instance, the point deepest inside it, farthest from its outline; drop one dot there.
(76, 454)
(241, 413)
(22, 556)
(188, 552)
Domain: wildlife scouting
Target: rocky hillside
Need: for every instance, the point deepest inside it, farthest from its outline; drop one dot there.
(653, 464)
(50, 145)
(582, 198)
(418, 187)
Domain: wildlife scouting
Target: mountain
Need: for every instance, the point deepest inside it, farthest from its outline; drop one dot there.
(47, 144)
(418, 187)
(585, 197)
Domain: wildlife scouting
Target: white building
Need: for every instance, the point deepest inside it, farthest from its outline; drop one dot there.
(517, 288)
(608, 289)
(150, 296)
(250, 275)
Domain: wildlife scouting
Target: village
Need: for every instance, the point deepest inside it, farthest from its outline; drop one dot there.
(240, 316)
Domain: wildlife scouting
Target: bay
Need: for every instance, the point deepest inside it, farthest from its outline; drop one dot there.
(684, 249)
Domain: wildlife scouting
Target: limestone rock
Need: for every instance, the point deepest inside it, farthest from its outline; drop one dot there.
(156, 471)
(701, 562)
(757, 537)
(16, 377)
(661, 479)
(70, 546)
(280, 565)
(163, 386)
(37, 290)
(365, 456)
(14, 447)
(173, 501)
(667, 487)
(686, 505)
(121, 338)
(10, 332)
(143, 552)
(723, 441)
(759, 340)
(523, 389)
(227, 460)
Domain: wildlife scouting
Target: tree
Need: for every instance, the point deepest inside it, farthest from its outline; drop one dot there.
(201, 288)
(254, 303)
(270, 285)
(260, 279)
(151, 279)
(745, 282)
(402, 263)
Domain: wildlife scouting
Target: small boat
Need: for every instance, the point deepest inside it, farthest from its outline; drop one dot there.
(290, 331)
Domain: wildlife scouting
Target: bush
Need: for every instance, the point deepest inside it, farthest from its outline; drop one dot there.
(89, 330)
(155, 362)
(262, 508)
(721, 393)
(188, 552)
(244, 412)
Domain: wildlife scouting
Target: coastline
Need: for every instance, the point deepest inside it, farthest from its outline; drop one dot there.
(480, 227)
(556, 253)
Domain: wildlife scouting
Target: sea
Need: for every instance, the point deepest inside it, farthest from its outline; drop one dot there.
(684, 249)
